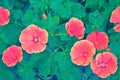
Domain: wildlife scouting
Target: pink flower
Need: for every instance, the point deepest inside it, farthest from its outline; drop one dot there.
(104, 65)
(75, 27)
(99, 39)
(4, 16)
(33, 39)
(117, 28)
(115, 18)
(12, 55)
(82, 52)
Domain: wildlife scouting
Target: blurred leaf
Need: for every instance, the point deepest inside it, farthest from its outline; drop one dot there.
(63, 33)
(26, 73)
(68, 3)
(7, 3)
(64, 13)
(19, 5)
(43, 4)
(115, 48)
(28, 17)
(96, 18)
(56, 5)
(10, 33)
(35, 3)
(43, 63)
(6, 75)
(91, 2)
(65, 70)
(115, 37)
(4, 46)
(51, 22)
(78, 11)
(60, 9)
(17, 14)
(107, 10)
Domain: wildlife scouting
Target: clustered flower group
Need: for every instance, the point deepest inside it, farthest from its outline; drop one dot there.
(33, 39)
(83, 51)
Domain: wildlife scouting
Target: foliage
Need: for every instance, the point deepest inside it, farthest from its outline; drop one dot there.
(55, 62)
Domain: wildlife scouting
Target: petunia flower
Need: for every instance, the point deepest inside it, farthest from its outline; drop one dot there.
(117, 28)
(12, 55)
(99, 39)
(82, 52)
(115, 18)
(104, 65)
(75, 27)
(4, 16)
(33, 39)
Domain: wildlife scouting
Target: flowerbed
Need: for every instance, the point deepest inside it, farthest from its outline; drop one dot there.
(59, 39)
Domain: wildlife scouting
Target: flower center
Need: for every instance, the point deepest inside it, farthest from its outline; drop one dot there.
(102, 65)
(14, 57)
(36, 39)
(85, 54)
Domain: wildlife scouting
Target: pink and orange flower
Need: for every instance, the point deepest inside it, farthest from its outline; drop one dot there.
(99, 39)
(82, 52)
(104, 65)
(115, 18)
(4, 16)
(12, 55)
(33, 39)
(75, 27)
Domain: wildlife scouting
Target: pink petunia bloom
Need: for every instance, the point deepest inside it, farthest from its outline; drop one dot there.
(117, 28)
(115, 16)
(12, 55)
(104, 65)
(99, 39)
(82, 52)
(33, 39)
(4, 16)
(75, 27)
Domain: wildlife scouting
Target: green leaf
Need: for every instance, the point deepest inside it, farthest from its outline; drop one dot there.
(28, 17)
(65, 70)
(78, 11)
(26, 73)
(42, 62)
(63, 33)
(17, 14)
(108, 10)
(10, 33)
(56, 5)
(91, 2)
(51, 22)
(64, 13)
(60, 9)
(115, 48)
(115, 37)
(4, 46)
(96, 18)
(45, 66)
(7, 3)
(36, 3)
(39, 3)
(6, 75)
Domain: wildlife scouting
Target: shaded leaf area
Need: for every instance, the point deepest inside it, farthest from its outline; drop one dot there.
(55, 62)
